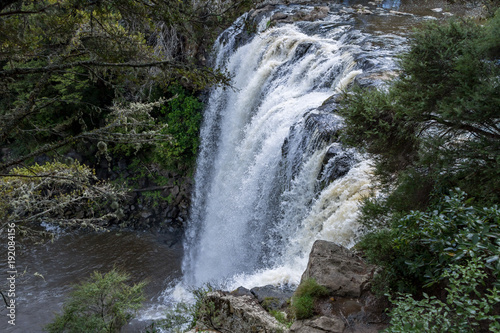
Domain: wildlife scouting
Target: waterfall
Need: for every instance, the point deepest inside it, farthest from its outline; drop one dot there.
(271, 175)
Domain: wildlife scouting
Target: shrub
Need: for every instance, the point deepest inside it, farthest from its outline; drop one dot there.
(421, 246)
(303, 307)
(464, 310)
(281, 317)
(304, 297)
(31, 194)
(104, 303)
(435, 127)
(185, 315)
(183, 116)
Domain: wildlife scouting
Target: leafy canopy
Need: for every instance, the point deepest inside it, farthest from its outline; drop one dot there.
(437, 126)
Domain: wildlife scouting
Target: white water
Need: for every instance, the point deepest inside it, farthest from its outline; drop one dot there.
(264, 189)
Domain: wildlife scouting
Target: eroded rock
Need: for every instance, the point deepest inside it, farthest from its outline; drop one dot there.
(322, 324)
(228, 313)
(335, 267)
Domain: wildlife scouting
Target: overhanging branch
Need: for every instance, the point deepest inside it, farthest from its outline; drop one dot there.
(52, 68)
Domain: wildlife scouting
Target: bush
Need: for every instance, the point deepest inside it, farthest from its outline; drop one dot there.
(421, 246)
(304, 297)
(436, 127)
(281, 317)
(303, 307)
(183, 116)
(185, 315)
(464, 310)
(104, 303)
(36, 193)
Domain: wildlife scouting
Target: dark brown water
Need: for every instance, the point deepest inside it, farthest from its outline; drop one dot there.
(51, 269)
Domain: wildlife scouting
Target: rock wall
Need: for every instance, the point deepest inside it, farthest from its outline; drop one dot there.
(150, 204)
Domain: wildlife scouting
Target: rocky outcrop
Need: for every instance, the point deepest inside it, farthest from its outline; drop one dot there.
(272, 297)
(224, 312)
(350, 307)
(341, 271)
(322, 324)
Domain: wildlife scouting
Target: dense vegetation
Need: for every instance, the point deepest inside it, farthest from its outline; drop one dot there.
(103, 81)
(434, 134)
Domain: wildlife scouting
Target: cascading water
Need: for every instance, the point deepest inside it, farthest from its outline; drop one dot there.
(271, 176)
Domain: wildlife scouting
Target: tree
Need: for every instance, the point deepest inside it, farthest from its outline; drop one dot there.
(103, 303)
(434, 129)
(86, 74)
(437, 126)
(63, 62)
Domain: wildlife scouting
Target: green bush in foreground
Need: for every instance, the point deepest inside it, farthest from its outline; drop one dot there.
(422, 246)
(303, 298)
(104, 303)
(185, 315)
(465, 309)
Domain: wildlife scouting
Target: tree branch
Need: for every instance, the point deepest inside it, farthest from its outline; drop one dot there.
(23, 111)
(51, 68)
(465, 127)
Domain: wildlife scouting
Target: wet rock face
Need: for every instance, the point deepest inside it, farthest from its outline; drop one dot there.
(148, 203)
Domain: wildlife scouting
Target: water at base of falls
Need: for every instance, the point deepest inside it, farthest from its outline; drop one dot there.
(271, 176)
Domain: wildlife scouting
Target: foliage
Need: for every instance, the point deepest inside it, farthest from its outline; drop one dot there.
(48, 192)
(104, 303)
(436, 127)
(270, 303)
(183, 115)
(281, 317)
(64, 63)
(422, 246)
(177, 140)
(303, 307)
(83, 75)
(465, 309)
(303, 299)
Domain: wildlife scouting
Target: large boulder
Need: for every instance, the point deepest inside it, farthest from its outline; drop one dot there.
(224, 312)
(272, 297)
(340, 270)
(350, 307)
(322, 324)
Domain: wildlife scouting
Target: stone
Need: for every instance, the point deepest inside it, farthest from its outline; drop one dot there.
(145, 214)
(338, 269)
(272, 297)
(279, 16)
(321, 324)
(175, 190)
(228, 313)
(242, 291)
